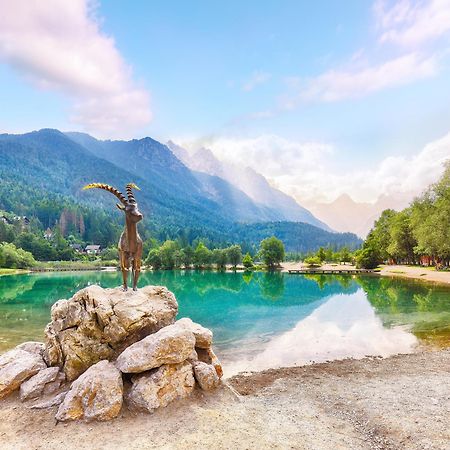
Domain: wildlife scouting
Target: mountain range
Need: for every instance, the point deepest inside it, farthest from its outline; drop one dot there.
(175, 198)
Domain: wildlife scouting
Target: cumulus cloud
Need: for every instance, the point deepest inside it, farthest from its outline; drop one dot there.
(307, 170)
(255, 80)
(59, 46)
(412, 23)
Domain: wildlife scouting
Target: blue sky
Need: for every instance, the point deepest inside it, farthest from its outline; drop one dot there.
(345, 87)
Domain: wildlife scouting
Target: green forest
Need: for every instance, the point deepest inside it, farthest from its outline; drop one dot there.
(419, 234)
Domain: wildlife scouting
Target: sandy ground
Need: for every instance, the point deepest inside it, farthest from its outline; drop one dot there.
(418, 273)
(402, 402)
(412, 272)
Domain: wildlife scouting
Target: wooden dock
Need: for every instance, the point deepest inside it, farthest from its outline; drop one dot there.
(329, 271)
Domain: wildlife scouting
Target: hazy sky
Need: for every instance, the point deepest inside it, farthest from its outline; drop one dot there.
(322, 97)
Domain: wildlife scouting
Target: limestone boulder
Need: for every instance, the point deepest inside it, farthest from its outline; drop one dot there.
(16, 366)
(32, 347)
(96, 395)
(203, 336)
(208, 356)
(159, 387)
(34, 386)
(98, 324)
(206, 375)
(170, 345)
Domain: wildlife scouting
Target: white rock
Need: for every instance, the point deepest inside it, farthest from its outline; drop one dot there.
(207, 356)
(16, 366)
(32, 347)
(96, 395)
(34, 387)
(206, 375)
(159, 387)
(97, 324)
(203, 336)
(54, 401)
(170, 345)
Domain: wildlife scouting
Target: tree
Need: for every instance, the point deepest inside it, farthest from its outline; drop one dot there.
(271, 251)
(321, 254)
(154, 259)
(234, 255)
(167, 253)
(220, 257)
(188, 256)
(247, 261)
(202, 255)
(402, 241)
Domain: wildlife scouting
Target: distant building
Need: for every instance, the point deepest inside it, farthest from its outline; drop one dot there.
(4, 219)
(93, 249)
(48, 234)
(77, 247)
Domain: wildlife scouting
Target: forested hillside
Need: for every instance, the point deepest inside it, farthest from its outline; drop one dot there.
(42, 174)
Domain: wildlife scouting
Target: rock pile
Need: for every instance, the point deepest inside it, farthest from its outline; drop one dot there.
(104, 346)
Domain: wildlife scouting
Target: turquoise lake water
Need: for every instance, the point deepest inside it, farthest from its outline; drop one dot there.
(261, 320)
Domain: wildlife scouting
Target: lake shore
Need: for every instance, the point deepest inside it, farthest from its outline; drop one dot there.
(417, 273)
(428, 274)
(393, 403)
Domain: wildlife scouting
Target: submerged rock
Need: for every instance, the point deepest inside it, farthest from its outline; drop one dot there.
(16, 366)
(97, 324)
(159, 387)
(170, 345)
(34, 387)
(96, 395)
(206, 375)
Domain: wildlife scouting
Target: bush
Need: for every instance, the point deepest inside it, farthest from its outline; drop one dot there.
(313, 261)
(247, 261)
(15, 258)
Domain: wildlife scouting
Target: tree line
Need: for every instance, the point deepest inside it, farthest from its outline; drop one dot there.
(171, 255)
(419, 234)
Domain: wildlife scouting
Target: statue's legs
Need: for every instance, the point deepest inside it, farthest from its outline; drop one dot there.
(124, 268)
(136, 272)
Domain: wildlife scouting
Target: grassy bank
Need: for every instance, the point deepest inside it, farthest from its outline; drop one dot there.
(12, 271)
(44, 266)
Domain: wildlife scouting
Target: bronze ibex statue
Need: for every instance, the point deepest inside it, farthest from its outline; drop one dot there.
(130, 243)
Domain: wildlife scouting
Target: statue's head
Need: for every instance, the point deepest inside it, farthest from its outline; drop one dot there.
(127, 204)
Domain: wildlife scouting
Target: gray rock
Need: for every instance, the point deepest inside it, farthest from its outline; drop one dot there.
(32, 347)
(34, 387)
(159, 387)
(16, 366)
(207, 356)
(54, 401)
(97, 324)
(206, 375)
(96, 395)
(52, 387)
(203, 336)
(170, 345)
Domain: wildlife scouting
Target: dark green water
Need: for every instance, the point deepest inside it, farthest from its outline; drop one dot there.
(261, 320)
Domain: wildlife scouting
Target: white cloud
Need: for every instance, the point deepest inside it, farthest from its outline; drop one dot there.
(412, 23)
(307, 170)
(58, 45)
(255, 80)
(355, 82)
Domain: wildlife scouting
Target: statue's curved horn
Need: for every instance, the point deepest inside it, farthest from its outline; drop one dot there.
(130, 194)
(108, 188)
